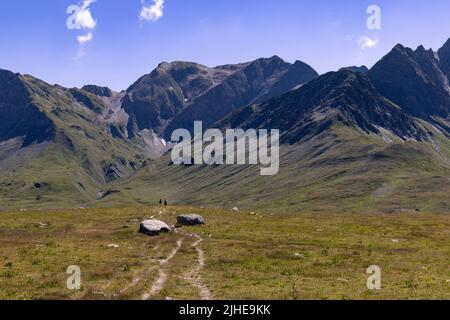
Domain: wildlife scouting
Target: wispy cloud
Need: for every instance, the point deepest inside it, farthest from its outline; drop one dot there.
(85, 38)
(81, 19)
(366, 42)
(152, 12)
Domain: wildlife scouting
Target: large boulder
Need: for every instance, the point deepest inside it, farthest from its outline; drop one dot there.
(190, 219)
(153, 227)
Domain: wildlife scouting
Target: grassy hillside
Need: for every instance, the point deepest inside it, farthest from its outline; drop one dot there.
(71, 168)
(345, 171)
(341, 171)
(244, 255)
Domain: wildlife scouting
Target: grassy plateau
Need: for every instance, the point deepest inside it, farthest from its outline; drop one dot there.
(235, 255)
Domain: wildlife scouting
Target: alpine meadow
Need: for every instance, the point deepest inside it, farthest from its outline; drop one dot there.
(260, 179)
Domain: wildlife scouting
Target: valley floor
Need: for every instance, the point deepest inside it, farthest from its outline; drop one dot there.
(236, 255)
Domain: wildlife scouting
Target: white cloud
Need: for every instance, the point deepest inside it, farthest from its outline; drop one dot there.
(85, 38)
(84, 17)
(153, 12)
(367, 42)
(82, 20)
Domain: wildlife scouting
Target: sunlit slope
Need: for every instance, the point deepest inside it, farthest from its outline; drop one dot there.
(340, 171)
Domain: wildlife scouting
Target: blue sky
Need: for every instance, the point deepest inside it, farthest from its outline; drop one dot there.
(124, 46)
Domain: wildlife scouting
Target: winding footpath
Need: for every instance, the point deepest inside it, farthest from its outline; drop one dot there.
(193, 276)
(159, 284)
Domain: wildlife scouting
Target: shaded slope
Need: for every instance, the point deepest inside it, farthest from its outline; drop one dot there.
(20, 118)
(414, 81)
(346, 97)
(444, 58)
(158, 97)
(253, 82)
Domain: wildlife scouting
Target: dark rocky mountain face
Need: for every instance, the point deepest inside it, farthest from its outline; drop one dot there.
(89, 100)
(175, 94)
(298, 74)
(415, 81)
(99, 91)
(444, 58)
(158, 97)
(249, 83)
(362, 69)
(344, 97)
(20, 118)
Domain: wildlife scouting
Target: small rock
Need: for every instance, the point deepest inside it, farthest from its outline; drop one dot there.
(395, 240)
(235, 209)
(190, 219)
(115, 246)
(153, 227)
(102, 195)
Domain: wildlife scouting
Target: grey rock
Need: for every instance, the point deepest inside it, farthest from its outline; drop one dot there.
(190, 219)
(153, 227)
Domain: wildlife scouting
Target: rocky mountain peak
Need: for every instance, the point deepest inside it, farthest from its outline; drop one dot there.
(362, 69)
(97, 90)
(444, 57)
(413, 80)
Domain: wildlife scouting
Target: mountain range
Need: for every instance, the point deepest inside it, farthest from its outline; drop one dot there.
(357, 139)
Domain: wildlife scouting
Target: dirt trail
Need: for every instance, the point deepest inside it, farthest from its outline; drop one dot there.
(162, 277)
(137, 279)
(193, 276)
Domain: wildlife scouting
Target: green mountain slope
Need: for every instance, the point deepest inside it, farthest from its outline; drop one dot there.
(340, 170)
(59, 152)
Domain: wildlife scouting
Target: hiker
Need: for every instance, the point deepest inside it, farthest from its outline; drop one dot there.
(165, 203)
(160, 203)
